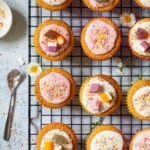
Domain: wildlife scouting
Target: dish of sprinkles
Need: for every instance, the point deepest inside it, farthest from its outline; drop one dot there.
(2, 17)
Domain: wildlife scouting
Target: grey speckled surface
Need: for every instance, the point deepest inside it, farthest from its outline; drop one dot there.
(13, 46)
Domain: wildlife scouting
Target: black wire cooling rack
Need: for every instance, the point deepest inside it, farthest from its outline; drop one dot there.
(81, 67)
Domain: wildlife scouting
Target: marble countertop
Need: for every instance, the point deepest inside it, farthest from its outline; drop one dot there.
(14, 47)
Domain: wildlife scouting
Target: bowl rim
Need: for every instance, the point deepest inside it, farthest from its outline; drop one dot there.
(10, 20)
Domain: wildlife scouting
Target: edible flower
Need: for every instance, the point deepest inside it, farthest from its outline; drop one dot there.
(34, 69)
(127, 19)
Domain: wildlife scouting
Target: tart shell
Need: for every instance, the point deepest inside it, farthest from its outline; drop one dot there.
(54, 126)
(135, 136)
(38, 48)
(105, 56)
(118, 92)
(99, 129)
(101, 9)
(139, 3)
(45, 103)
(137, 85)
(132, 50)
(46, 6)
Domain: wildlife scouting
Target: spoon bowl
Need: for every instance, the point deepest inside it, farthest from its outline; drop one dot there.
(14, 78)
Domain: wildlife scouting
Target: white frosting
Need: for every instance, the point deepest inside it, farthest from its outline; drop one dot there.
(54, 2)
(145, 3)
(87, 96)
(107, 140)
(94, 3)
(134, 42)
(50, 134)
(142, 141)
(141, 101)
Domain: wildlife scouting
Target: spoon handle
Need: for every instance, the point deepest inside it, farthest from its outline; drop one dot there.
(7, 131)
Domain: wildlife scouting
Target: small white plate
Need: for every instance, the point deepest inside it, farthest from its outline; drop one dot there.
(5, 20)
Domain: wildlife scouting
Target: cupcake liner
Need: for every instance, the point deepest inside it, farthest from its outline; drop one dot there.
(134, 137)
(101, 9)
(42, 101)
(54, 126)
(108, 55)
(37, 44)
(138, 2)
(46, 6)
(137, 85)
(102, 128)
(118, 91)
(132, 50)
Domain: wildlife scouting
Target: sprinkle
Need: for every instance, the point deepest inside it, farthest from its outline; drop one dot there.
(127, 19)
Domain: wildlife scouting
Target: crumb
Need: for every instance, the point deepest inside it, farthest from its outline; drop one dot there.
(21, 61)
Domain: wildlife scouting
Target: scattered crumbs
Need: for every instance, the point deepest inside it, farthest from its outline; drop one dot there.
(21, 61)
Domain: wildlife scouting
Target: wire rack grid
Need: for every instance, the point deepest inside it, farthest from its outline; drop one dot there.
(80, 66)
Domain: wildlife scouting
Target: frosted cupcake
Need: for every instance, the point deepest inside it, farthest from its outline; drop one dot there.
(53, 40)
(54, 88)
(56, 136)
(54, 5)
(139, 39)
(106, 137)
(101, 5)
(100, 39)
(138, 100)
(141, 140)
(143, 3)
(100, 95)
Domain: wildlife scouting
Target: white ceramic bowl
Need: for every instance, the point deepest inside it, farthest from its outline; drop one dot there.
(6, 20)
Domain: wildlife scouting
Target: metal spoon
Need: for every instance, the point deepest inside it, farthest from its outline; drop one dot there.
(14, 78)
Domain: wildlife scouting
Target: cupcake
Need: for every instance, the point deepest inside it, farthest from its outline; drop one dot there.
(56, 136)
(141, 140)
(53, 40)
(106, 137)
(139, 39)
(100, 95)
(138, 99)
(54, 5)
(143, 3)
(101, 5)
(54, 88)
(100, 39)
